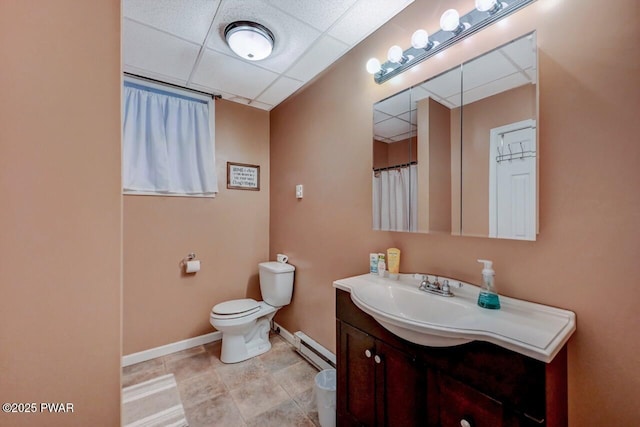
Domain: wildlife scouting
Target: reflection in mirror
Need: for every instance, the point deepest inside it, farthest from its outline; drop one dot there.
(457, 154)
(499, 143)
(394, 164)
(437, 103)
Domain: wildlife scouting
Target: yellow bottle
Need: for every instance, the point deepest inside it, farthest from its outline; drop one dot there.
(393, 262)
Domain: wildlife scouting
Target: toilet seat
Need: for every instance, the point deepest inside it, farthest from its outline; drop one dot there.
(235, 309)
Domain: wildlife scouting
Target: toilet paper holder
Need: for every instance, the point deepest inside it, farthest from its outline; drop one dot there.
(185, 263)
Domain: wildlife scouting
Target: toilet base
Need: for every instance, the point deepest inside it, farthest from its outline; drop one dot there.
(237, 348)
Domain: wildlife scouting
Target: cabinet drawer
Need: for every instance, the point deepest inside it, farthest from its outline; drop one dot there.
(459, 403)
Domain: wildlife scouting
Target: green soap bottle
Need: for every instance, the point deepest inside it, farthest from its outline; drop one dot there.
(488, 298)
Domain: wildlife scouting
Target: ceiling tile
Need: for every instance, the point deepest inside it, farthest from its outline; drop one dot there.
(445, 86)
(494, 87)
(364, 18)
(261, 105)
(522, 52)
(379, 116)
(233, 75)
(319, 14)
(323, 53)
(396, 104)
(147, 49)
(279, 90)
(153, 75)
(485, 69)
(292, 37)
(392, 128)
(189, 19)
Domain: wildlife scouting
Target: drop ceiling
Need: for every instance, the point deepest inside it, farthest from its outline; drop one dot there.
(182, 42)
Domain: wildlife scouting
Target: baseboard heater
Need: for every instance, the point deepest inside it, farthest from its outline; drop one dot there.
(308, 348)
(315, 353)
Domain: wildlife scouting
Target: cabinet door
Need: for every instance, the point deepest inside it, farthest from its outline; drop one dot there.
(400, 388)
(461, 405)
(356, 378)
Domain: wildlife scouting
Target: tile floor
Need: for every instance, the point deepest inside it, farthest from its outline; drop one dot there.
(273, 389)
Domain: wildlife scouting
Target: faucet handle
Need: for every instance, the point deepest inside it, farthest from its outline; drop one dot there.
(445, 287)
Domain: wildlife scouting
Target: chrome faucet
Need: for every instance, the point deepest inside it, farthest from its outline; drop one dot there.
(437, 288)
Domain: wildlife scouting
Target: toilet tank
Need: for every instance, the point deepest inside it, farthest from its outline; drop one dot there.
(276, 282)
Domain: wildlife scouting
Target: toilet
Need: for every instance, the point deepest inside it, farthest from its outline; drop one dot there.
(245, 323)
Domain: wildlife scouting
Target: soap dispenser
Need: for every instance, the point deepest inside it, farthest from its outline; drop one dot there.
(488, 298)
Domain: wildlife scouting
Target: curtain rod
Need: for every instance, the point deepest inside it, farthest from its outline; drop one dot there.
(403, 165)
(137, 76)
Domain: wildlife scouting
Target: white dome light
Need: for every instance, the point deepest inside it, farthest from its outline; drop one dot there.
(249, 40)
(486, 5)
(395, 54)
(450, 20)
(373, 66)
(420, 39)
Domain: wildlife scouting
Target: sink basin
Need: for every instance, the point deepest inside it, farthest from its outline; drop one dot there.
(412, 314)
(528, 328)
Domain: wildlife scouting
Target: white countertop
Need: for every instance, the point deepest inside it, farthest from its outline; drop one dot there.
(535, 330)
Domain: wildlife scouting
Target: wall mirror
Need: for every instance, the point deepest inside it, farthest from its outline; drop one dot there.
(457, 154)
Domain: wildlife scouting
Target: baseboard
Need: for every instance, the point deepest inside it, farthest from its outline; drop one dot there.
(308, 348)
(163, 350)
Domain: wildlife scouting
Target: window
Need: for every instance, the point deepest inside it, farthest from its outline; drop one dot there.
(168, 141)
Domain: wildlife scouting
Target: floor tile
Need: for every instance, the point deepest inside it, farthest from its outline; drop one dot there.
(236, 375)
(306, 401)
(296, 378)
(184, 353)
(220, 411)
(285, 415)
(213, 348)
(281, 355)
(203, 387)
(140, 372)
(258, 396)
(273, 389)
(188, 367)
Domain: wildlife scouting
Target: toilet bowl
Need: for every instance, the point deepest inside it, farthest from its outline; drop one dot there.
(245, 323)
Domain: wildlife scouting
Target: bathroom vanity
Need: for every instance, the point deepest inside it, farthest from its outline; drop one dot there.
(385, 380)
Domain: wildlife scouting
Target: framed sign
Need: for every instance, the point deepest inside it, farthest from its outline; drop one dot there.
(241, 176)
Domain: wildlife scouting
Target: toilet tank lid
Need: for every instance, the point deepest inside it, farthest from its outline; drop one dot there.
(236, 306)
(277, 267)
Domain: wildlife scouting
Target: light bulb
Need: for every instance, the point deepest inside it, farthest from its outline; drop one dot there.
(373, 66)
(450, 20)
(395, 54)
(420, 39)
(491, 6)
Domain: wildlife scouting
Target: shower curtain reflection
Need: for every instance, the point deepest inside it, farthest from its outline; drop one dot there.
(395, 199)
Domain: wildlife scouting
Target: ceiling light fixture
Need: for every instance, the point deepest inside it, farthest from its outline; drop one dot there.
(249, 40)
(453, 29)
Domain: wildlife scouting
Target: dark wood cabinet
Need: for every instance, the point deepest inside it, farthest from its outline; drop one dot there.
(381, 383)
(384, 380)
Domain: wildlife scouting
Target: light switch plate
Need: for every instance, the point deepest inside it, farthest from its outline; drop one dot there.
(299, 191)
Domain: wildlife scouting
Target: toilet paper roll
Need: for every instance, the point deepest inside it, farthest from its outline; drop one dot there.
(192, 266)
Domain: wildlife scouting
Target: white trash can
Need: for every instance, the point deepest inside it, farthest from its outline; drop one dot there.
(325, 390)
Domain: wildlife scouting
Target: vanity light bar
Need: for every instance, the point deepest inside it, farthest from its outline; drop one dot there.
(469, 24)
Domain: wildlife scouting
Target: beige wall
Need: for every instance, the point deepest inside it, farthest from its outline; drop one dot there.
(60, 220)
(439, 168)
(586, 256)
(229, 234)
(478, 119)
(395, 153)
